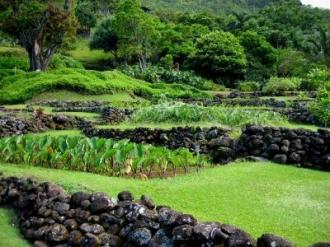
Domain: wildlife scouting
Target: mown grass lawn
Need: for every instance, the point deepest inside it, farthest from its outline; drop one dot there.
(258, 197)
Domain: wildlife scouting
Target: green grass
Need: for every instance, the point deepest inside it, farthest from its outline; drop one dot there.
(65, 95)
(259, 198)
(10, 235)
(22, 87)
(86, 115)
(58, 133)
(85, 55)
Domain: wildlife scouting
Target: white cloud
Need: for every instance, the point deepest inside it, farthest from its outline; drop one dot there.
(318, 3)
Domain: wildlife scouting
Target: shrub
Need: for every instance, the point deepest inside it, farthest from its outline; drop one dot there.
(248, 86)
(187, 113)
(61, 62)
(13, 60)
(167, 62)
(317, 79)
(9, 72)
(220, 56)
(321, 107)
(276, 85)
(156, 74)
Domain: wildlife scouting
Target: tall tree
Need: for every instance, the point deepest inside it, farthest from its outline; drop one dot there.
(136, 31)
(261, 56)
(39, 26)
(219, 56)
(321, 42)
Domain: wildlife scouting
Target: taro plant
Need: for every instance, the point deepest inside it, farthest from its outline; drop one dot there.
(187, 113)
(96, 155)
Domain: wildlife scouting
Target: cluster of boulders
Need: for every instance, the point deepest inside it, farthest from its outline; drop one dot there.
(72, 104)
(10, 125)
(114, 115)
(49, 217)
(300, 147)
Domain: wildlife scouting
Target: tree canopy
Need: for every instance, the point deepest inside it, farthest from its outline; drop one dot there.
(39, 26)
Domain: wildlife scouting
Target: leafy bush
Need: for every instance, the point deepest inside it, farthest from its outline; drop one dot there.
(155, 74)
(167, 61)
(249, 86)
(9, 72)
(276, 85)
(21, 87)
(61, 62)
(186, 113)
(96, 155)
(317, 79)
(321, 107)
(220, 56)
(13, 60)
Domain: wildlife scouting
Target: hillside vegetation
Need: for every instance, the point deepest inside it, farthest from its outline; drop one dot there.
(211, 6)
(28, 85)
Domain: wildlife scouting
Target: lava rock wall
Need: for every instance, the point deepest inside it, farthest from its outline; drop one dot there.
(299, 147)
(49, 217)
(10, 126)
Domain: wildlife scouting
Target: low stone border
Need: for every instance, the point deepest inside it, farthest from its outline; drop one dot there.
(10, 125)
(286, 146)
(49, 217)
(300, 113)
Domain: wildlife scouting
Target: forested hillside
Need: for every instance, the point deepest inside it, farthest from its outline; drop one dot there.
(212, 6)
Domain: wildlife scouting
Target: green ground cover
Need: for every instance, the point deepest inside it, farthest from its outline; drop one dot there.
(22, 87)
(258, 197)
(75, 96)
(82, 53)
(9, 234)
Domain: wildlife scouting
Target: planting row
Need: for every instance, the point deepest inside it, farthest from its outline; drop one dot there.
(49, 217)
(188, 113)
(96, 155)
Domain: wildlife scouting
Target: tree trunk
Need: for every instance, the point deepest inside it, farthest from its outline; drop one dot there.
(35, 57)
(39, 61)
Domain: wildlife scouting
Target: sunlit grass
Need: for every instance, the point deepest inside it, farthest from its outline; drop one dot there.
(260, 197)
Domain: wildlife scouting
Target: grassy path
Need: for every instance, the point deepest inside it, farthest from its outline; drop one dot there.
(259, 197)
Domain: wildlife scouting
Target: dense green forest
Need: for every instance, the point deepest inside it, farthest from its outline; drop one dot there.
(216, 7)
(230, 43)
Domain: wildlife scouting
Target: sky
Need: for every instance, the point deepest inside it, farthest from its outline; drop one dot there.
(318, 3)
